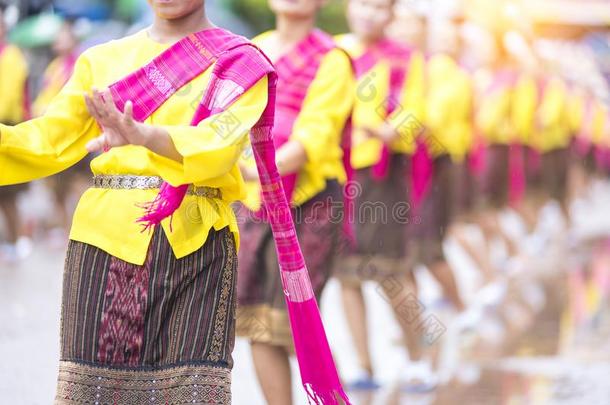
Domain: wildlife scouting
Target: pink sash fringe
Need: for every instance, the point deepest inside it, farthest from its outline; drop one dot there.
(477, 159)
(516, 172)
(422, 172)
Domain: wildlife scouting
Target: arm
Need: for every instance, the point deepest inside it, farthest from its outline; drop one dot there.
(191, 154)
(409, 119)
(53, 142)
(121, 129)
(325, 110)
(291, 157)
(212, 148)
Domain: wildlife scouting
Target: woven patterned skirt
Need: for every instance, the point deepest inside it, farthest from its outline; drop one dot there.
(431, 219)
(381, 217)
(555, 173)
(465, 191)
(494, 190)
(261, 314)
(547, 174)
(160, 333)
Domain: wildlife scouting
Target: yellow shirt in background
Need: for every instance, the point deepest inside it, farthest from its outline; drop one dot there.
(552, 129)
(106, 218)
(524, 107)
(493, 109)
(577, 104)
(319, 126)
(599, 124)
(449, 101)
(370, 107)
(13, 77)
(54, 78)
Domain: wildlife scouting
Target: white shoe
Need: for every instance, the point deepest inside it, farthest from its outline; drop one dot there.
(419, 378)
(24, 247)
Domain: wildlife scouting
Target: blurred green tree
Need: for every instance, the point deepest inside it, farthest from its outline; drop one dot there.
(257, 14)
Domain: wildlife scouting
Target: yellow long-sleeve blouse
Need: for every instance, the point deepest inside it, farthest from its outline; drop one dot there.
(319, 126)
(448, 108)
(370, 107)
(106, 218)
(13, 77)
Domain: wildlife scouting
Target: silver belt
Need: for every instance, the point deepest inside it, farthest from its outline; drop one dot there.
(128, 182)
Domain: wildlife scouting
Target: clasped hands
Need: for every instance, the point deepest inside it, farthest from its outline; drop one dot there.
(118, 128)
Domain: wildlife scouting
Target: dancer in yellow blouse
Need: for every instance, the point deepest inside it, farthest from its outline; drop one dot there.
(148, 315)
(314, 101)
(57, 74)
(13, 109)
(440, 155)
(388, 116)
(552, 137)
(75, 180)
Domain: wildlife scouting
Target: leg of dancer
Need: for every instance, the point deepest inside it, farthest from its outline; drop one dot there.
(389, 83)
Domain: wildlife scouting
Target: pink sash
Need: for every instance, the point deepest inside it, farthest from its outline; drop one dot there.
(238, 66)
(422, 167)
(516, 159)
(399, 57)
(516, 173)
(422, 171)
(296, 71)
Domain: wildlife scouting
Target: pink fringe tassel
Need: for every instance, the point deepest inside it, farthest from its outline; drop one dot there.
(476, 160)
(164, 205)
(516, 170)
(381, 169)
(421, 173)
(321, 383)
(349, 197)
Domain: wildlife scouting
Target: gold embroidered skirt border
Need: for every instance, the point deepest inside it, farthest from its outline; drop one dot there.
(190, 384)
